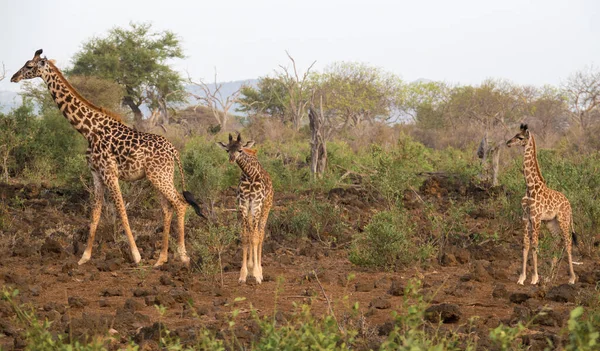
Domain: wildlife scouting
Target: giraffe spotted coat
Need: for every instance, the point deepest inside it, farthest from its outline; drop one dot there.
(117, 152)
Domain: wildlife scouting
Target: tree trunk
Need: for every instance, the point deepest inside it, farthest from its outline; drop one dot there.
(318, 150)
(485, 152)
(138, 116)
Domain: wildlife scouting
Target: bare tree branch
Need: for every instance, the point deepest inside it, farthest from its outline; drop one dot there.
(213, 99)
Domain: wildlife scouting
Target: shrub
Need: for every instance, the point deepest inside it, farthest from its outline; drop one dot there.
(308, 219)
(388, 241)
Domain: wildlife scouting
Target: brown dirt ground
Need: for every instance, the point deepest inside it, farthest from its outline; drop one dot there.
(45, 226)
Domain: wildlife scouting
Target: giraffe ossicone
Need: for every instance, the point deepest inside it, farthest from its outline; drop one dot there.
(117, 152)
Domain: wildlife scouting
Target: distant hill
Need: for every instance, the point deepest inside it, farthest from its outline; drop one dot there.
(11, 99)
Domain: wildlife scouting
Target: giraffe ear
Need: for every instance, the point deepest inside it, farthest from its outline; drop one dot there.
(223, 146)
(249, 144)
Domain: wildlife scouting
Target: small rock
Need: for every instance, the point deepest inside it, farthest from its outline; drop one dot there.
(220, 301)
(34, 290)
(68, 267)
(548, 317)
(77, 302)
(386, 328)
(166, 280)
(132, 305)
(479, 271)
(448, 260)
(181, 296)
(396, 288)
(381, 303)
(446, 312)
(103, 303)
(562, 293)
(521, 314)
(500, 292)
(518, 297)
(111, 292)
(164, 299)
(51, 247)
(141, 292)
(462, 255)
(382, 282)
(150, 333)
(364, 286)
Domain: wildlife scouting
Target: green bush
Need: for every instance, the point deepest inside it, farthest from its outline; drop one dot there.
(389, 241)
(312, 219)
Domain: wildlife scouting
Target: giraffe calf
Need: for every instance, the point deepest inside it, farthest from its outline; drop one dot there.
(254, 199)
(541, 204)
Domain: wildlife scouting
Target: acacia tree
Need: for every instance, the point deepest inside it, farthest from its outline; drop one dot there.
(582, 90)
(267, 98)
(424, 103)
(136, 58)
(358, 92)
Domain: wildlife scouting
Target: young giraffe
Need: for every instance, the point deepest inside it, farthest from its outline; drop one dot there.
(541, 204)
(115, 152)
(254, 198)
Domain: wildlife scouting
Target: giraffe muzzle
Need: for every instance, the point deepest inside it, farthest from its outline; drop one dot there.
(15, 78)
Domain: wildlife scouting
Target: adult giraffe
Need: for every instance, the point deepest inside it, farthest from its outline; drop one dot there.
(115, 152)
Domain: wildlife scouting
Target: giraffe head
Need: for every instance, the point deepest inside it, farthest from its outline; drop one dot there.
(235, 147)
(32, 69)
(521, 138)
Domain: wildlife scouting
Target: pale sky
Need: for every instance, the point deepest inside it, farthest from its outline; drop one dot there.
(458, 41)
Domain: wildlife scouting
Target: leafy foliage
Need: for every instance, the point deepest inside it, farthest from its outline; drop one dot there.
(135, 58)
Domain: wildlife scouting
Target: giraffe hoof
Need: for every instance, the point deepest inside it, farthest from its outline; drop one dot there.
(241, 281)
(185, 259)
(136, 257)
(83, 260)
(160, 262)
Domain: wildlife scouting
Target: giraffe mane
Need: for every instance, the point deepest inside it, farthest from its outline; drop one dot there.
(250, 151)
(103, 110)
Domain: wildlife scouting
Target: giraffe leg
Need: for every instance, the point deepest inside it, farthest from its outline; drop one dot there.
(527, 224)
(534, 242)
(245, 242)
(245, 247)
(112, 183)
(261, 231)
(168, 215)
(256, 267)
(565, 226)
(250, 234)
(96, 212)
(162, 179)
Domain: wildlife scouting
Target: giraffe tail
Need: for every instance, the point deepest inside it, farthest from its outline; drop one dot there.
(189, 198)
(573, 234)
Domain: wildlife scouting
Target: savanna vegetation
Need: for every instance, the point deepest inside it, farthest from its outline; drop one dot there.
(386, 176)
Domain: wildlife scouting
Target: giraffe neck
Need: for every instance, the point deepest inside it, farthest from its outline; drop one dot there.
(249, 164)
(531, 168)
(83, 115)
